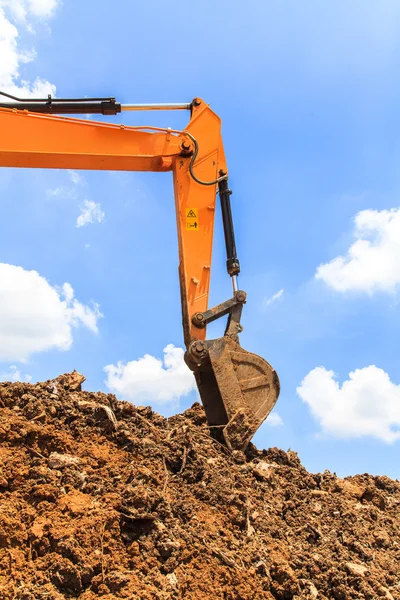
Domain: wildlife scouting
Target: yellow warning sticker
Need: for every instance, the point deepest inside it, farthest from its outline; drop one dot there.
(192, 219)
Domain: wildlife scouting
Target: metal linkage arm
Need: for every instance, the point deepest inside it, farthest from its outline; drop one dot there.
(212, 314)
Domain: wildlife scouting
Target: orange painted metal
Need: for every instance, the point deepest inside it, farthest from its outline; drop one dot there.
(195, 243)
(52, 142)
(48, 141)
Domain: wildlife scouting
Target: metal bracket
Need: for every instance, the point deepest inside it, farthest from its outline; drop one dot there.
(232, 307)
(201, 319)
(197, 352)
(233, 326)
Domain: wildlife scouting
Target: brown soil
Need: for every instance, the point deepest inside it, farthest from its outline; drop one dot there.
(101, 499)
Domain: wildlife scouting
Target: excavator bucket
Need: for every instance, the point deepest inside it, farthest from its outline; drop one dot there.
(238, 390)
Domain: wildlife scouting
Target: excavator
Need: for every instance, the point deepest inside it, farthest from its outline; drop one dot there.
(238, 389)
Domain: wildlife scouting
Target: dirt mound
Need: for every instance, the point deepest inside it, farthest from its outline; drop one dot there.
(101, 499)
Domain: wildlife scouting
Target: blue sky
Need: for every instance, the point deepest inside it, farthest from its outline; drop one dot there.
(308, 94)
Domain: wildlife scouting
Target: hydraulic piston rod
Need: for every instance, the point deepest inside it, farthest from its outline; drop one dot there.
(177, 106)
(75, 106)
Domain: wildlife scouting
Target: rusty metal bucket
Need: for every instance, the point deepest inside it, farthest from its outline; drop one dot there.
(238, 390)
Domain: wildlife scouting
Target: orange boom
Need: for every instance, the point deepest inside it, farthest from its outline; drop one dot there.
(238, 389)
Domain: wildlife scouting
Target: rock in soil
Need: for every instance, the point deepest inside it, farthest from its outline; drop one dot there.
(102, 499)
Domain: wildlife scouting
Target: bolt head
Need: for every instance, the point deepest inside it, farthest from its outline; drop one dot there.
(199, 348)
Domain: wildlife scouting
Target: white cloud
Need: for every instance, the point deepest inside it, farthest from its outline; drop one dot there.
(23, 9)
(367, 404)
(372, 262)
(35, 317)
(75, 177)
(150, 380)
(53, 192)
(90, 212)
(11, 55)
(274, 297)
(62, 193)
(14, 374)
(79, 313)
(274, 420)
(69, 191)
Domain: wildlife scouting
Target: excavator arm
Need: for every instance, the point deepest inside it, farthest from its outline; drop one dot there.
(238, 389)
